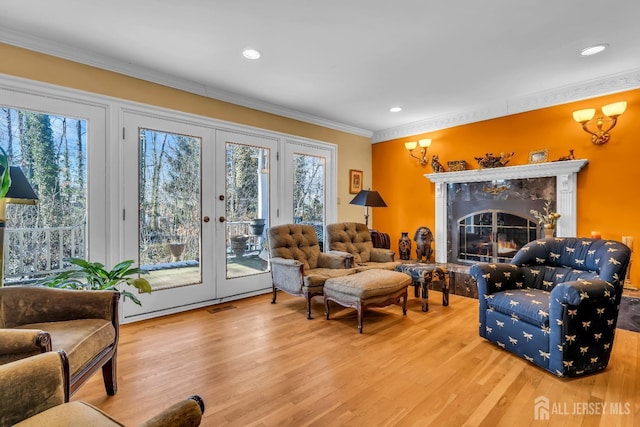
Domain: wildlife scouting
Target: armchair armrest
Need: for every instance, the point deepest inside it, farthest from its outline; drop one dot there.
(382, 255)
(20, 343)
(579, 292)
(32, 385)
(335, 259)
(497, 277)
(287, 274)
(186, 413)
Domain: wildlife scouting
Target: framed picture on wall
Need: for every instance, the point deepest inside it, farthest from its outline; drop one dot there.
(539, 156)
(355, 181)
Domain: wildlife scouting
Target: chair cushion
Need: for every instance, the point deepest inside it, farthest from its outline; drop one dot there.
(318, 276)
(529, 305)
(81, 339)
(70, 414)
(376, 265)
(367, 284)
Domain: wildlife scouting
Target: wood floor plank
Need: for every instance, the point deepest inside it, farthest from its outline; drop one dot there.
(260, 364)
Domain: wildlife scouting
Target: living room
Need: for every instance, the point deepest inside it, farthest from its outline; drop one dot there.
(238, 339)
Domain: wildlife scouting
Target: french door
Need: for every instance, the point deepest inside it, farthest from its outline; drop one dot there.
(168, 188)
(245, 176)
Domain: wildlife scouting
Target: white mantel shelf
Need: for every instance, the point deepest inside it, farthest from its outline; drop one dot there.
(535, 170)
(566, 193)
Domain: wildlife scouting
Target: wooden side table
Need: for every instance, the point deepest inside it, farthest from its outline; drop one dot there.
(423, 274)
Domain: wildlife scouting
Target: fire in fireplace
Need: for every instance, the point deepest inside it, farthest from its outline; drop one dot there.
(493, 236)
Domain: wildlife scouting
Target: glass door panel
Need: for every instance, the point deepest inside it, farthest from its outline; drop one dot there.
(309, 192)
(169, 199)
(247, 209)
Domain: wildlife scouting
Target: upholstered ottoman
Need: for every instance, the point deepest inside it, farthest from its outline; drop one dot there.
(370, 288)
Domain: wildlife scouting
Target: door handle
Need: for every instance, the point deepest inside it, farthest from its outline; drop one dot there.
(206, 219)
(222, 219)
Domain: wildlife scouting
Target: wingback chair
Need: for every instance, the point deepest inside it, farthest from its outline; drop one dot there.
(85, 324)
(35, 392)
(298, 267)
(556, 304)
(354, 238)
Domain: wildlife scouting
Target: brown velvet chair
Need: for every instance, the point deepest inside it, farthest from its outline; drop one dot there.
(354, 238)
(35, 392)
(298, 267)
(82, 323)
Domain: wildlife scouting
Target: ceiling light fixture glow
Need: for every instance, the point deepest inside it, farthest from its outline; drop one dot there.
(395, 109)
(251, 53)
(592, 50)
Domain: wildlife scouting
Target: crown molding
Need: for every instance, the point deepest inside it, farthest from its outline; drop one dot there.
(575, 92)
(58, 50)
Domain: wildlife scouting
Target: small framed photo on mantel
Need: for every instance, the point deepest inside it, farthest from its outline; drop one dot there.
(539, 156)
(355, 181)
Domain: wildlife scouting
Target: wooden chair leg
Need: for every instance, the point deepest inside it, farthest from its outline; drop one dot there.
(309, 307)
(109, 376)
(360, 315)
(273, 300)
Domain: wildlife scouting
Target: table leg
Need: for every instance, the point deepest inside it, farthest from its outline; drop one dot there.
(425, 295)
(445, 291)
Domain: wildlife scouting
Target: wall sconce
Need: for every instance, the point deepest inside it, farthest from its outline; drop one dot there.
(424, 144)
(600, 135)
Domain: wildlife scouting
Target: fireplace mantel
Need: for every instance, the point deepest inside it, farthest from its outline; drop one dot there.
(566, 198)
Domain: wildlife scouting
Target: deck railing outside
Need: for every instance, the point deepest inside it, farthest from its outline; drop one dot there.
(34, 252)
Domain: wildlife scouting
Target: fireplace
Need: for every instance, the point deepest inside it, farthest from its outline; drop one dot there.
(489, 221)
(484, 214)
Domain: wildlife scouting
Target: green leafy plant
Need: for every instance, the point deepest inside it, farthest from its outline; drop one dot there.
(94, 277)
(5, 177)
(548, 219)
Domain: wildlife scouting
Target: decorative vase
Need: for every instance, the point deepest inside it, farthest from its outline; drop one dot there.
(549, 231)
(404, 246)
(239, 244)
(256, 226)
(176, 250)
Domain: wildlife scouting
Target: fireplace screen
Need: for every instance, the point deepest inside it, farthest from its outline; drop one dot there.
(493, 236)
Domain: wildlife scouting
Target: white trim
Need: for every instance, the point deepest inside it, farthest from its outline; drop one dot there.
(111, 64)
(588, 89)
(566, 193)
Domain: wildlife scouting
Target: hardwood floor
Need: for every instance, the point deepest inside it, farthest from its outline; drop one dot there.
(258, 364)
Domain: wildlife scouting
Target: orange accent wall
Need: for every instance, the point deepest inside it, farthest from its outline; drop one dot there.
(608, 187)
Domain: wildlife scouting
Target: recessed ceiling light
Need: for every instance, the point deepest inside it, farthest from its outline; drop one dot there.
(395, 109)
(251, 53)
(592, 50)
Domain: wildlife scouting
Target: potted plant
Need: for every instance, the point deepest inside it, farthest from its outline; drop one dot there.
(239, 244)
(94, 277)
(256, 226)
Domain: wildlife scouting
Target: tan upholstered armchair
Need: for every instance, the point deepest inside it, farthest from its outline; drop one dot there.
(298, 267)
(35, 392)
(355, 239)
(82, 323)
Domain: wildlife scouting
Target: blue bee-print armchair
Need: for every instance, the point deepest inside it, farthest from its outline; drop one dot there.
(556, 304)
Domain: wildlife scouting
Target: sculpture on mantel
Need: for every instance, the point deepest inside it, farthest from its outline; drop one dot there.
(436, 165)
(491, 161)
(570, 156)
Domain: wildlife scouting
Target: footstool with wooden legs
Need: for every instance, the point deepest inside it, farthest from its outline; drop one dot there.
(369, 288)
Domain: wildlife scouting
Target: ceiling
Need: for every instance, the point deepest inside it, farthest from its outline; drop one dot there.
(342, 63)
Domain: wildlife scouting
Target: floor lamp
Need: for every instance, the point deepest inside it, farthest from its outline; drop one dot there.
(368, 198)
(20, 192)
